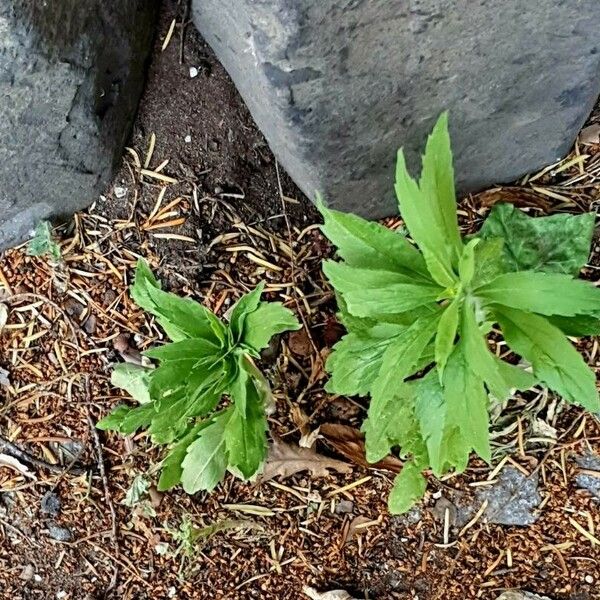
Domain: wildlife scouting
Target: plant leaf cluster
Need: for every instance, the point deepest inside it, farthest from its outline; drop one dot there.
(181, 403)
(419, 314)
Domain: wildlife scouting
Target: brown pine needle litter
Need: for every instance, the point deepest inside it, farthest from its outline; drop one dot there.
(68, 533)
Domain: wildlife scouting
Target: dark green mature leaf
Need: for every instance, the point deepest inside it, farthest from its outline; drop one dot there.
(543, 293)
(112, 421)
(559, 243)
(409, 486)
(467, 403)
(577, 326)
(555, 361)
(186, 350)
(269, 319)
(368, 245)
(205, 462)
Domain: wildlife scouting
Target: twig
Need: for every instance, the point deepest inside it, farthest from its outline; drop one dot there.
(101, 467)
(26, 457)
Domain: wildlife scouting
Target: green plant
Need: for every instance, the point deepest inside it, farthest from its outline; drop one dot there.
(43, 244)
(418, 320)
(180, 402)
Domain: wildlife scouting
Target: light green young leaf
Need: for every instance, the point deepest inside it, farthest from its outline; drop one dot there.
(247, 304)
(112, 421)
(187, 350)
(133, 379)
(516, 378)
(171, 471)
(467, 403)
(369, 245)
(245, 434)
(205, 462)
(543, 293)
(558, 243)
(143, 280)
(555, 361)
(43, 243)
(392, 299)
(409, 487)
(356, 359)
(127, 420)
(466, 265)
(137, 490)
(489, 261)
(446, 334)
(269, 319)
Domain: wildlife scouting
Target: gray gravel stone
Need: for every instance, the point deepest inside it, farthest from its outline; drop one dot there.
(71, 74)
(50, 504)
(338, 85)
(590, 483)
(517, 595)
(61, 534)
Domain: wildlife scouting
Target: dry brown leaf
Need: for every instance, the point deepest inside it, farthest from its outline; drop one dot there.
(351, 443)
(590, 135)
(299, 343)
(3, 316)
(354, 527)
(285, 460)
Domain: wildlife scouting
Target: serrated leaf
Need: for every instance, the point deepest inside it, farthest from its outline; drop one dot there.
(134, 379)
(245, 434)
(136, 418)
(364, 244)
(112, 421)
(577, 326)
(205, 462)
(446, 333)
(489, 261)
(543, 293)
(284, 460)
(356, 359)
(269, 319)
(558, 243)
(187, 350)
(409, 487)
(516, 378)
(171, 468)
(467, 402)
(555, 361)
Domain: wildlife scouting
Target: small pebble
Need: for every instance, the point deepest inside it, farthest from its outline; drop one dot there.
(27, 573)
(344, 506)
(188, 139)
(193, 72)
(61, 534)
(37, 578)
(50, 504)
(120, 192)
(589, 579)
(61, 594)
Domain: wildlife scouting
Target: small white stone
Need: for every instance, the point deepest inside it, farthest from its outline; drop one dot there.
(589, 579)
(188, 139)
(37, 578)
(61, 595)
(120, 192)
(172, 592)
(193, 72)
(102, 198)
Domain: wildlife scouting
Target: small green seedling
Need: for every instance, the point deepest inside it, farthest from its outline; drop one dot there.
(43, 244)
(418, 319)
(182, 402)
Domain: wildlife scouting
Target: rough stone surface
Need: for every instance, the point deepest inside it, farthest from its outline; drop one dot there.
(517, 595)
(71, 73)
(591, 483)
(338, 85)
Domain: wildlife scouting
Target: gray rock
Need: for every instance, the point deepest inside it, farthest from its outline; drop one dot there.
(517, 595)
(512, 500)
(71, 74)
(61, 534)
(50, 504)
(590, 483)
(338, 85)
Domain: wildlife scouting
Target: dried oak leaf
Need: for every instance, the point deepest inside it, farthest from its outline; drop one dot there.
(590, 135)
(351, 443)
(285, 460)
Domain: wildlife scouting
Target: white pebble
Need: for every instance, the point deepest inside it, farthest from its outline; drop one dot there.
(193, 72)
(589, 579)
(172, 592)
(120, 192)
(188, 139)
(60, 595)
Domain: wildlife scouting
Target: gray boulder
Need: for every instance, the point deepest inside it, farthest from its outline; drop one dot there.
(71, 74)
(338, 85)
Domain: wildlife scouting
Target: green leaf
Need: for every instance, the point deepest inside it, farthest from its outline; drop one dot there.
(368, 245)
(247, 304)
(429, 209)
(134, 379)
(515, 377)
(245, 434)
(171, 471)
(393, 299)
(205, 462)
(137, 490)
(169, 377)
(467, 403)
(187, 350)
(143, 280)
(136, 418)
(356, 359)
(112, 421)
(555, 361)
(543, 293)
(489, 261)
(409, 487)
(446, 334)
(466, 265)
(577, 326)
(558, 243)
(43, 243)
(479, 357)
(269, 319)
